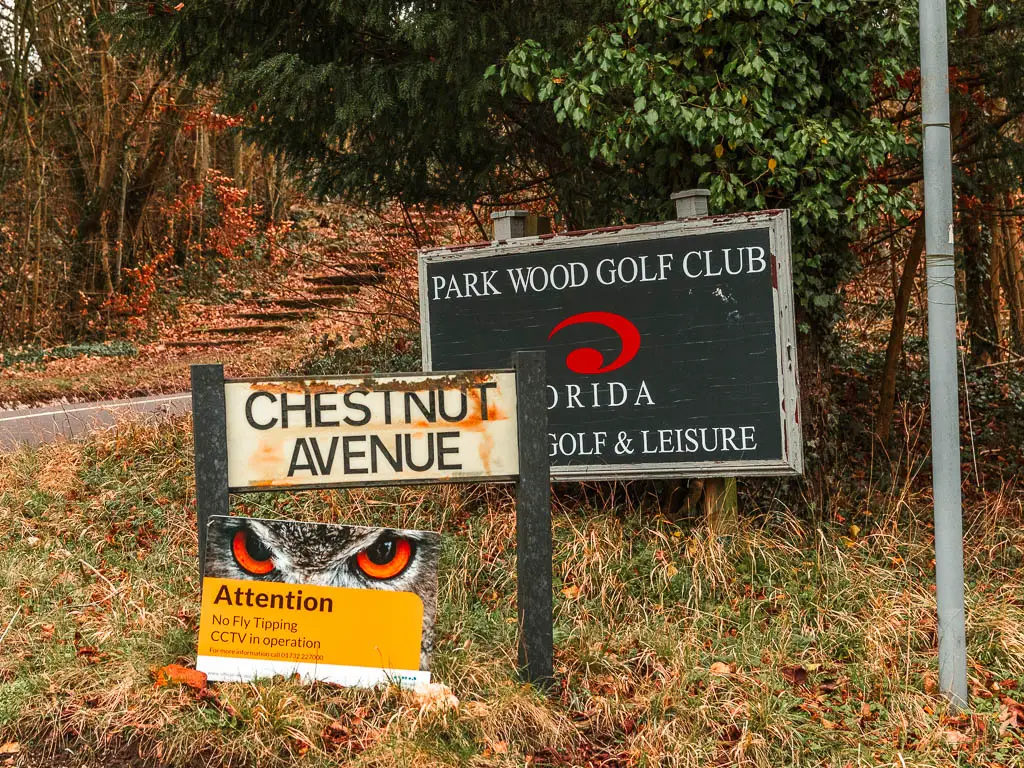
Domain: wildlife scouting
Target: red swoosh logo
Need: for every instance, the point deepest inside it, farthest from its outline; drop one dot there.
(590, 360)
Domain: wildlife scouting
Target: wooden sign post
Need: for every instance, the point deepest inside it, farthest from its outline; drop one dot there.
(283, 434)
(533, 525)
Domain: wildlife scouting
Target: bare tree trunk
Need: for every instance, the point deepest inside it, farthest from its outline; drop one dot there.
(120, 224)
(236, 158)
(270, 175)
(149, 167)
(977, 299)
(1012, 273)
(996, 252)
(104, 250)
(202, 163)
(887, 395)
(980, 304)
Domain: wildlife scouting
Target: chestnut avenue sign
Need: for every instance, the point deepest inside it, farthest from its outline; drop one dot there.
(289, 434)
(347, 431)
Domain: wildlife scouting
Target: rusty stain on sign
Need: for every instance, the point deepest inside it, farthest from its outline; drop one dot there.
(381, 384)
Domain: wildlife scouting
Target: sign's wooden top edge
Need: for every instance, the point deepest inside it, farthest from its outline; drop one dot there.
(393, 482)
(394, 380)
(753, 217)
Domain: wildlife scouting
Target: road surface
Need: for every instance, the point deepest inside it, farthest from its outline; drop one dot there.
(42, 425)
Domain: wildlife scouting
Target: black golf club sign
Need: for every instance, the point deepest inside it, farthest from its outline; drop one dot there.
(671, 347)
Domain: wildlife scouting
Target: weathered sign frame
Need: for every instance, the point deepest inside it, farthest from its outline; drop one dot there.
(778, 224)
(395, 382)
(533, 492)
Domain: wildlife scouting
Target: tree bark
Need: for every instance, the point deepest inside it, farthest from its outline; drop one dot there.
(977, 295)
(1012, 274)
(996, 257)
(887, 394)
(236, 158)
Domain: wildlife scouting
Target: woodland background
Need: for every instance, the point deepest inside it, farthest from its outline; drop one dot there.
(150, 151)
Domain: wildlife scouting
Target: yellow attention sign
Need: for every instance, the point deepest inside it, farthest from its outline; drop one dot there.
(309, 624)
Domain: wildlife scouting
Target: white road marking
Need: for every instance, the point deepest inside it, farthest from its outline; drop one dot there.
(57, 411)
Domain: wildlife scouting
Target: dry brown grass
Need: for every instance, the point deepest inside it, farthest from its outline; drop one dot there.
(798, 641)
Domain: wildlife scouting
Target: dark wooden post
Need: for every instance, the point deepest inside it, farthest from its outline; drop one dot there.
(533, 493)
(533, 523)
(721, 506)
(210, 434)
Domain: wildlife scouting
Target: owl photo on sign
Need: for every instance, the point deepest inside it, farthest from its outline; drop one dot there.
(350, 556)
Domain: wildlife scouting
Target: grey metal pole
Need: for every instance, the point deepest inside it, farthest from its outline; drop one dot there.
(942, 351)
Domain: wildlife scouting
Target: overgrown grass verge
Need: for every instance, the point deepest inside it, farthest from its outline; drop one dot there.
(800, 641)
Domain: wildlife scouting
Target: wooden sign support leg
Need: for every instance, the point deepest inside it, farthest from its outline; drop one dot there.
(721, 506)
(209, 428)
(533, 524)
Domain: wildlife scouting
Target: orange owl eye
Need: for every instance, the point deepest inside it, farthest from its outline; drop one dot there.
(253, 556)
(386, 558)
